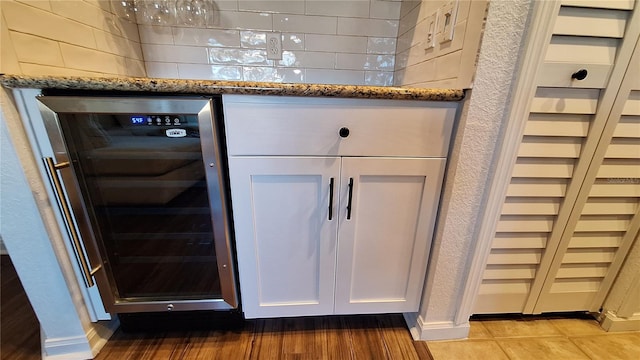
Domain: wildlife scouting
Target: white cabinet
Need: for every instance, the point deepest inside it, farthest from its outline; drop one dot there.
(285, 243)
(338, 227)
(384, 232)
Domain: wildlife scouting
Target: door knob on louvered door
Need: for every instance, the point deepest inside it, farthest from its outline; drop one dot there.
(580, 74)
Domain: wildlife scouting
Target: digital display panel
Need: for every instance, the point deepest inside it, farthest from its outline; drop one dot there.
(137, 120)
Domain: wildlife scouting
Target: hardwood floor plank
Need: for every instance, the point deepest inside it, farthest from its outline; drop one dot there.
(366, 339)
(19, 327)
(397, 339)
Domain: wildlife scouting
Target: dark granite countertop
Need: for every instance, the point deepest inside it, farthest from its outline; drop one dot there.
(227, 87)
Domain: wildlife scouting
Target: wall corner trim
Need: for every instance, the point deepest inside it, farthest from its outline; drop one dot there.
(67, 348)
(612, 323)
(437, 330)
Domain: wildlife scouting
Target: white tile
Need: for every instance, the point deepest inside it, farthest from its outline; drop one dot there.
(173, 53)
(238, 56)
(81, 12)
(408, 6)
(274, 6)
(81, 58)
(41, 4)
(335, 43)
(258, 73)
(424, 71)
(290, 75)
(308, 59)
(385, 9)
(206, 37)
(134, 68)
(29, 20)
(222, 5)
(45, 70)
(253, 39)
(377, 45)
(305, 24)
(128, 29)
(243, 20)
(368, 27)
(103, 4)
(364, 62)
(292, 41)
(8, 59)
(448, 66)
(350, 8)
(155, 34)
(408, 21)
(402, 60)
(378, 78)
(346, 77)
(162, 70)
(34, 49)
(209, 72)
(117, 45)
(403, 41)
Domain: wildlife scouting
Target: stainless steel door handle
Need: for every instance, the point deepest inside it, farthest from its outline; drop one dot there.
(52, 170)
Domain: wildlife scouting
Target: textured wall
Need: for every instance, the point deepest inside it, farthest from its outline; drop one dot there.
(472, 159)
(67, 37)
(340, 42)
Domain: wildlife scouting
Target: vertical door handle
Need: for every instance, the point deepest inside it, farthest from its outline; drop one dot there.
(52, 170)
(331, 199)
(350, 198)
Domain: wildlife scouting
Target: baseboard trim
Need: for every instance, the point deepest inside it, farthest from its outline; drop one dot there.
(100, 334)
(440, 330)
(612, 323)
(68, 348)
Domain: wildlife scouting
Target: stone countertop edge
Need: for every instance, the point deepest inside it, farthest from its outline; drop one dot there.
(210, 87)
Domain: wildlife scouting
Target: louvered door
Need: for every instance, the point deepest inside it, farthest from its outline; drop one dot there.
(567, 118)
(605, 219)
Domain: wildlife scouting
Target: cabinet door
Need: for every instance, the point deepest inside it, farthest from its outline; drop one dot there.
(285, 241)
(384, 240)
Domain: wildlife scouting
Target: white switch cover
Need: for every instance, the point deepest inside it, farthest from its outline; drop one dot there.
(447, 21)
(274, 46)
(430, 36)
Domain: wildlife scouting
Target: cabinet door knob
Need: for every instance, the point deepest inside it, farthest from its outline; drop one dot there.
(580, 74)
(344, 132)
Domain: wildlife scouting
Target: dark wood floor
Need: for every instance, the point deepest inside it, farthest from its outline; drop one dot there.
(19, 328)
(368, 337)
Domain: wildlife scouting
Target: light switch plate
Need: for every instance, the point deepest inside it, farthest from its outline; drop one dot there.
(447, 21)
(430, 36)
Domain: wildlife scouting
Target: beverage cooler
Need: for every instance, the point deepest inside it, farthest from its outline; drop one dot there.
(142, 186)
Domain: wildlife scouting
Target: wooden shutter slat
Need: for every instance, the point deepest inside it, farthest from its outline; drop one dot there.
(507, 257)
(531, 206)
(585, 256)
(602, 223)
(558, 125)
(537, 187)
(519, 241)
(574, 271)
(601, 4)
(610, 206)
(509, 272)
(582, 50)
(565, 101)
(628, 127)
(590, 22)
(538, 146)
(543, 168)
(595, 240)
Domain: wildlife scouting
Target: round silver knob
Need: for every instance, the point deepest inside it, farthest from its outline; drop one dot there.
(169, 307)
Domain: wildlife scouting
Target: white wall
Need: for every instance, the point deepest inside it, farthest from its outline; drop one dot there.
(470, 163)
(621, 308)
(340, 42)
(67, 37)
(449, 64)
(61, 314)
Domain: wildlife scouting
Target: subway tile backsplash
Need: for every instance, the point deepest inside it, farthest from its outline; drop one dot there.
(323, 41)
(359, 42)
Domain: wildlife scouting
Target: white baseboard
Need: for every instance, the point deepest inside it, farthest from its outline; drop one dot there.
(100, 334)
(69, 348)
(441, 330)
(613, 323)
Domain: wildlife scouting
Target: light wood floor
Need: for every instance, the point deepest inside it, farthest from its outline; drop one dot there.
(342, 337)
